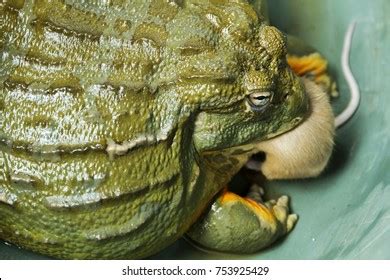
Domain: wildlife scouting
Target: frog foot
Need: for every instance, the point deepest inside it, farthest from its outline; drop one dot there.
(279, 207)
(238, 224)
(282, 212)
(314, 67)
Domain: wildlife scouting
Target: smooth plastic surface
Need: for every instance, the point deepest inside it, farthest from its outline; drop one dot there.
(345, 213)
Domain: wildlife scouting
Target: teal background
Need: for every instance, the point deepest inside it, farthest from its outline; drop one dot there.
(345, 213)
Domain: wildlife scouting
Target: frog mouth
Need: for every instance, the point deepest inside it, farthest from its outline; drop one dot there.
(303, 151)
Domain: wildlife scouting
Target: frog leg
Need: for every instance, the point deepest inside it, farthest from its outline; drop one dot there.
(238, 224)
(307, 62)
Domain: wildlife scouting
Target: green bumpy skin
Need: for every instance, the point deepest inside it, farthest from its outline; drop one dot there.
(121, 120)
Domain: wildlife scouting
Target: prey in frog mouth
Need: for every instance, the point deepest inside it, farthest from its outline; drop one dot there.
(305, 150)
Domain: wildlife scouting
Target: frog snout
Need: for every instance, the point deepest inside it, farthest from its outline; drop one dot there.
(305, 150)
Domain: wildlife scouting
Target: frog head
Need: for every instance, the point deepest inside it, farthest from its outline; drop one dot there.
(268, 100)
(254, 98)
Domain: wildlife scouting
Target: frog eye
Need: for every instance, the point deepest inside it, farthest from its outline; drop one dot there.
(258, 100)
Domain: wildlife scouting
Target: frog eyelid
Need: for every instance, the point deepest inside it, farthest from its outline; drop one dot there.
(258, 93)
(259, 99)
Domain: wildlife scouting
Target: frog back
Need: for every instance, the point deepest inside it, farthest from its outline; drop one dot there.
(80, 75)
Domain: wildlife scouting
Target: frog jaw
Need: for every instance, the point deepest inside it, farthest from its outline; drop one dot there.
(305, 150)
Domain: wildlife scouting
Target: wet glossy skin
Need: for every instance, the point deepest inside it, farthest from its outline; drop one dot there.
(118, 124)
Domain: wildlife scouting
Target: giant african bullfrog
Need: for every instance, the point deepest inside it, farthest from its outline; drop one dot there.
(121, 123)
